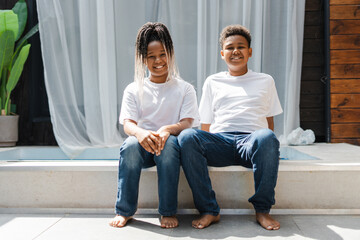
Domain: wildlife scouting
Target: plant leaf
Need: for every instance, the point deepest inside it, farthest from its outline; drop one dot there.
(29, 34)
(9, 21)
(6, 50)
(23, 41)
(20, 9)
(17, 68)
(7, 42)
(15, 73)
(3, 88)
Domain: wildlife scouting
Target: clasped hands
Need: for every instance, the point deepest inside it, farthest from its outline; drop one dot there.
(153, 142)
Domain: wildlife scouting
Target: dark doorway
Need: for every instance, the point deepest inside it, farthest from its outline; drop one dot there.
(30, 97)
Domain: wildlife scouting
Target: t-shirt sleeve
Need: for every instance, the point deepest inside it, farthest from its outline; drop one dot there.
(205, 110)
(189, 108)
(129, 107)
(274, 102)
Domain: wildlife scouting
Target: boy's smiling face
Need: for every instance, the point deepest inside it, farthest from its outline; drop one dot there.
(236, 53)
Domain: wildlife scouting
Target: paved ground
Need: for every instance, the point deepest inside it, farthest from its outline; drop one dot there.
(95, 227)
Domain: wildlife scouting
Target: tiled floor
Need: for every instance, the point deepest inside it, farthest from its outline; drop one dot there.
(95, 227)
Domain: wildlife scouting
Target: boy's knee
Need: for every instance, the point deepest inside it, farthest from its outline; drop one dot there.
(171, 142)
(265, 141)
(186, 136)
(266, 136)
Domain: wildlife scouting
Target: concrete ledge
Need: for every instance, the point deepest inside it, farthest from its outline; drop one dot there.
(329, 182)
(323, 157)
(112, 166)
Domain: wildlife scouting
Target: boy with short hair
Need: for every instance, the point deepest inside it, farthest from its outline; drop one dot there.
(236, 112)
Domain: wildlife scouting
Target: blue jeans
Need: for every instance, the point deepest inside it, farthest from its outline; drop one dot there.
(258, 150)
(133, 157)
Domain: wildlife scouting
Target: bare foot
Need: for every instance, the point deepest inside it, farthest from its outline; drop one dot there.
(205, 221)
(267, 222)
(119, 221)
(169, 222)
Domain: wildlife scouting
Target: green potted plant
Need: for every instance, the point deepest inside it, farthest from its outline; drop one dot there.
(13, 54)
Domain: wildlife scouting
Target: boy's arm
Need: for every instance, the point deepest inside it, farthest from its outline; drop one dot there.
(270, 121)
(174, 129)
(205, 127)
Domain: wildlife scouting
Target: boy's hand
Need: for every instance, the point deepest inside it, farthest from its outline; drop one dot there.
(149, 140)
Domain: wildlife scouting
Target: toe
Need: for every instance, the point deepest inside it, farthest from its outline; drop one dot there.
(194, 224)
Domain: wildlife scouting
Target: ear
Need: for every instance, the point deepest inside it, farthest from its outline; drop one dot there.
(250, 52)
(222, 54)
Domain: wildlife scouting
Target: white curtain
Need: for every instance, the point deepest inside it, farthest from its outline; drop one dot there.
(88, 53)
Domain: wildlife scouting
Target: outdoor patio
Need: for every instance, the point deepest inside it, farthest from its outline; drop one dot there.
(320, 177)
(46, 195)
(317, 198)
(95, 227)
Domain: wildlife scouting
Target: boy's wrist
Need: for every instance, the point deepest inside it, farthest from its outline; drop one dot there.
(164, 129)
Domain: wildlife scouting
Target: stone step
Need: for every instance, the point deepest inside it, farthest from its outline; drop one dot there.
(320, 176)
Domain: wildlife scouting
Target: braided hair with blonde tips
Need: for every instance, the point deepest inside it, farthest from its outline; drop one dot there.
(149, 32)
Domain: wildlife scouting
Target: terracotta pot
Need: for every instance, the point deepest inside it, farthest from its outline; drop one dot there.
(9, 130)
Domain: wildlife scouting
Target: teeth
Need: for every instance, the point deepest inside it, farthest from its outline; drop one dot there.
(159, 67)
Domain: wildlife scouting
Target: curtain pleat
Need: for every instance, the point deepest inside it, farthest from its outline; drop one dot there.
(88, 53)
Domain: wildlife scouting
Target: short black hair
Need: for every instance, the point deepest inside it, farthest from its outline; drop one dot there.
(232, 30)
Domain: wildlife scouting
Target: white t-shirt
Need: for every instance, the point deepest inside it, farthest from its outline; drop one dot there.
(238, 103)
(163, 104)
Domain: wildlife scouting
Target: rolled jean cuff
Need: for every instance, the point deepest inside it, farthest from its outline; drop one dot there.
(210, 213)
(167, 214)
(124, 214)
(257, 210)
